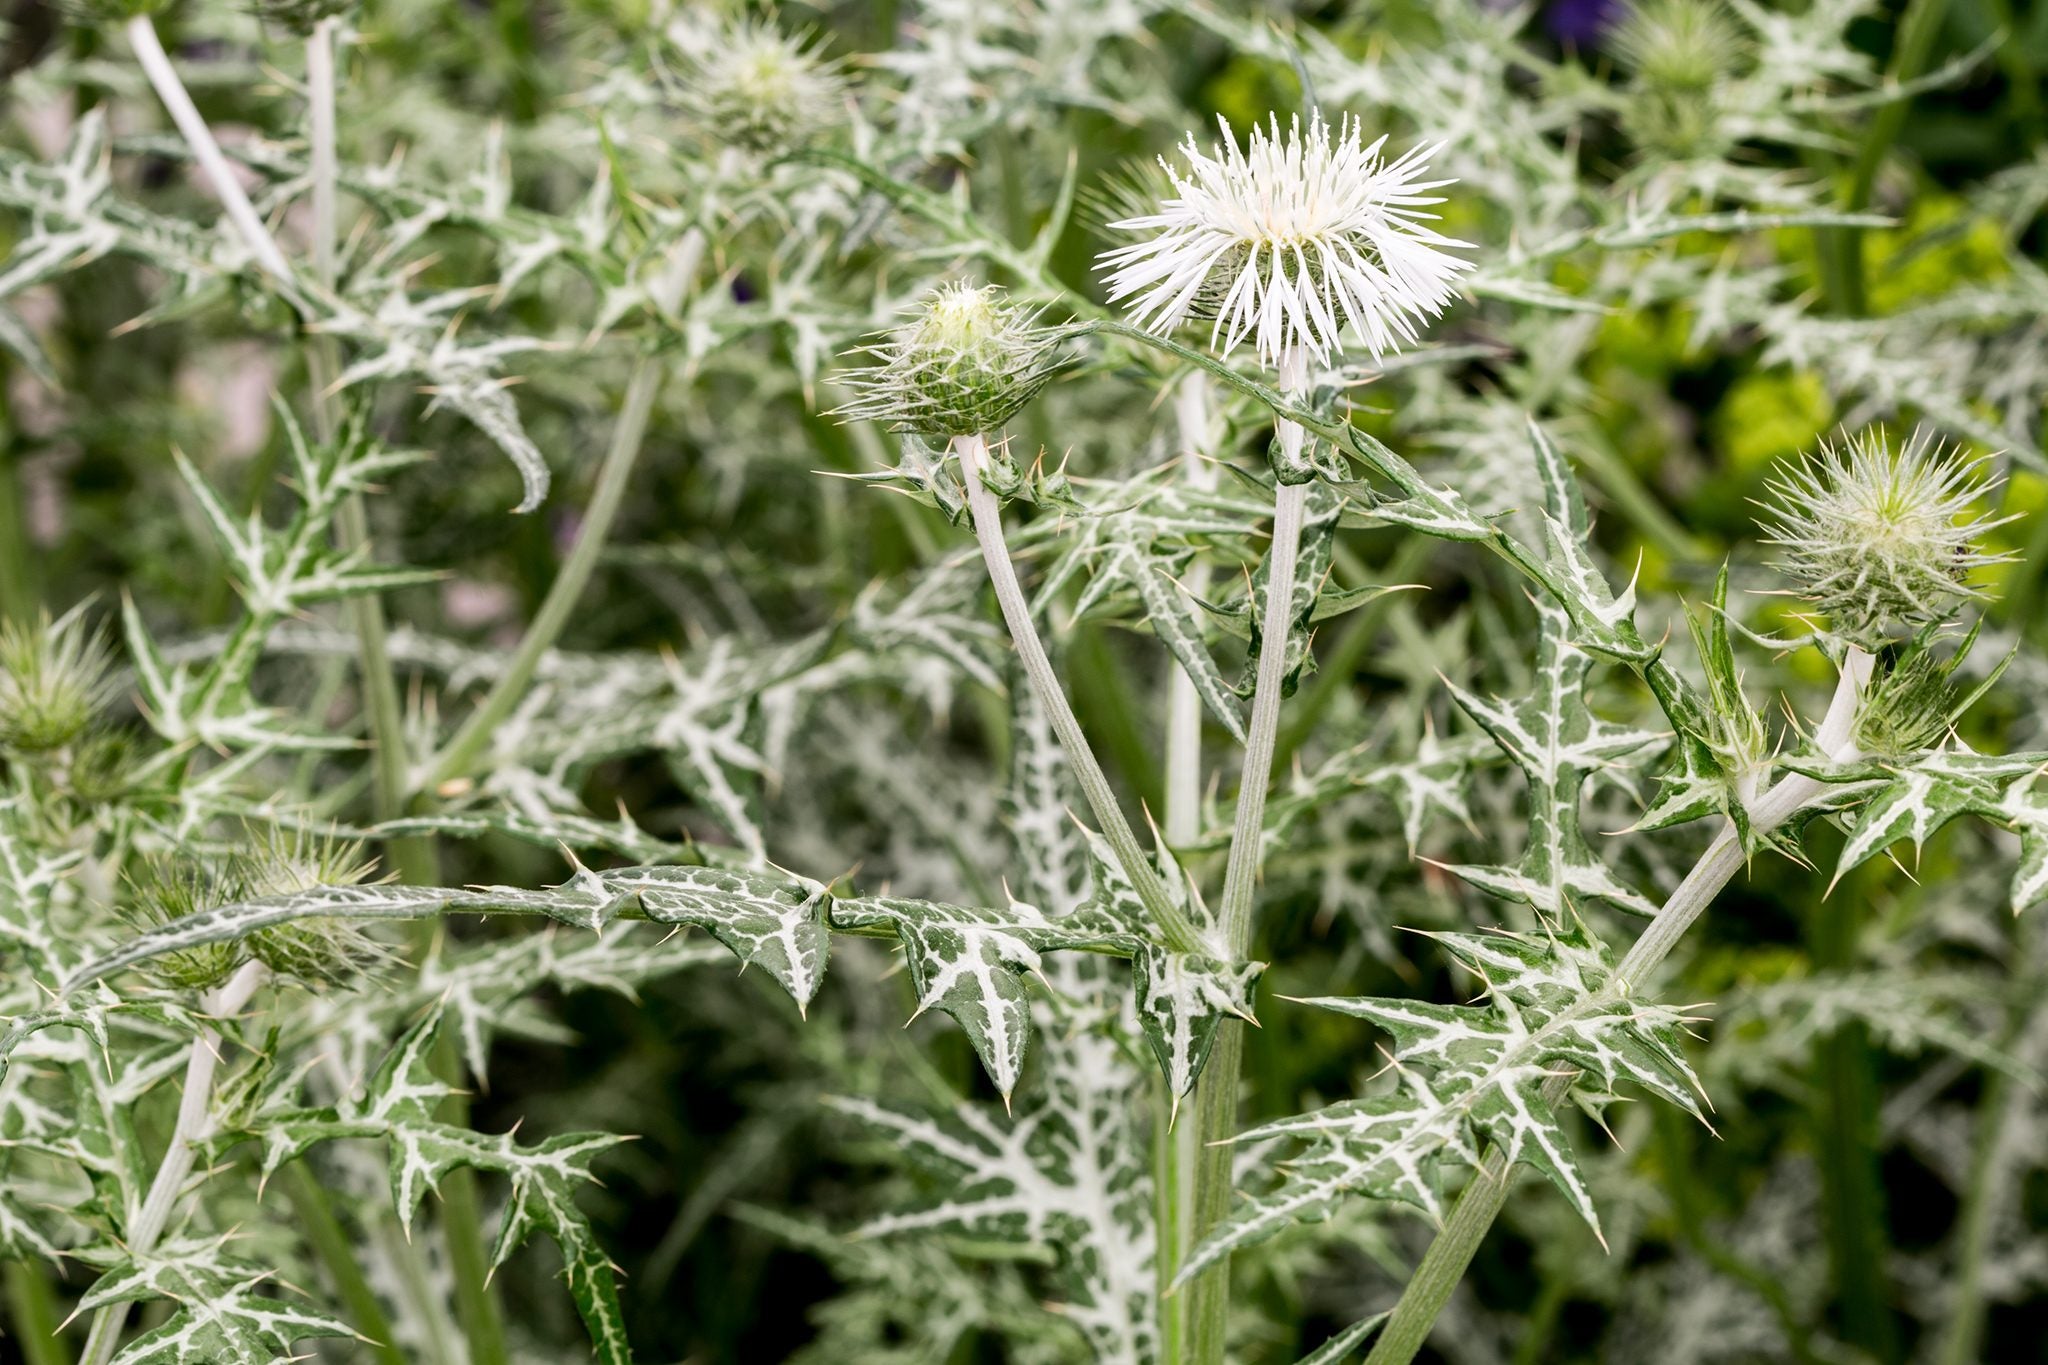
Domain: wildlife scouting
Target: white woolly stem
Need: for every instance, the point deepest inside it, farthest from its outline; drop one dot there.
(1176, 1146)
(163, 77)
(987, 515)
(1247, 841)
(1191, 406)
(195, 1125)
(1216, 1096)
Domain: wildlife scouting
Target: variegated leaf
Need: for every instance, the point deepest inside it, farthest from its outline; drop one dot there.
(1067, 1172)
(397, 1108)
(1181, 998)
(969, 962)
(1558, 743)
(1926, 794)
(1465, 1076)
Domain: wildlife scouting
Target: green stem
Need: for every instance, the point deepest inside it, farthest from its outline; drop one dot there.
(17, 587)
(38, 1331)
(330, 1242)
(1216, 1095)
(1962, 1338)
(1444, 1264)
(1846, 1129)
(456, 760)
(1912, 49)
(987, 515)
(413, 859)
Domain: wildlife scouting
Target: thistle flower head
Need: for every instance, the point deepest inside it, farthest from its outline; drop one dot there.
(1293, 239)
(1680, 53)
(964, 364)
(754, 87)
(1677, 45)
(54, 678)
(1879, 536)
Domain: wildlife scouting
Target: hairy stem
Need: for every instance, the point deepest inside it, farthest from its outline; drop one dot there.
(987, 515)
(194, 1126)
(1176, 1149)
(330, 1242)
(163, 77)
(1444, 1264)
(38, 1327)
(1216, 1094)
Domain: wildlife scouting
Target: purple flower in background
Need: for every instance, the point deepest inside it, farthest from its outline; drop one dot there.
(1580, 23)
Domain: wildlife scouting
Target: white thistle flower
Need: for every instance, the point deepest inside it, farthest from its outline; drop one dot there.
(1292, 240)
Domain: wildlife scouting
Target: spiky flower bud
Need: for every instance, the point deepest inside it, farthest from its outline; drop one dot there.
(965, 364)
(320, 951)
(1678, 44)
(1878, 537)
(170, 888)
(1680, 54)
(750, 86)
(53, 681)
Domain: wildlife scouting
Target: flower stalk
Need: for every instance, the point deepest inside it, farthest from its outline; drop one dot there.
(194, 1126)
(1176, 1146)
(986, 513)
(1217, 1093)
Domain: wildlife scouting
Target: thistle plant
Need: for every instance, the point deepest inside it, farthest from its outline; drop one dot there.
(491, 666)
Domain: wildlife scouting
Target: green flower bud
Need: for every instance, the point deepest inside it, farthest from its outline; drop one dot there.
(965, 365)
(1908, 706)
(1879, 538)
(1679, 53)
(1676, 45)
(750, 86)
(170, 888)
(322, 951)
(53, 681)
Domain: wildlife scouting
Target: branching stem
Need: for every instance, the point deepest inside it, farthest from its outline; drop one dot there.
(1444, 1264)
